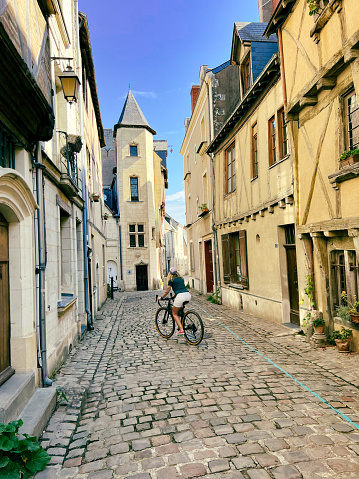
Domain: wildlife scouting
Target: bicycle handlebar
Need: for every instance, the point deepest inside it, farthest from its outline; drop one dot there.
(158, 298)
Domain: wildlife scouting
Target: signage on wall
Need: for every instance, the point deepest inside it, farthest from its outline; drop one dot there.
(129, 271)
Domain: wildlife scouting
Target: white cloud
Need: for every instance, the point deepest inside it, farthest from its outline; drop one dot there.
(176, 196)
(145, 94)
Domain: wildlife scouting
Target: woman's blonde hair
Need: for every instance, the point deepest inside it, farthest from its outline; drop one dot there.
(171, 276)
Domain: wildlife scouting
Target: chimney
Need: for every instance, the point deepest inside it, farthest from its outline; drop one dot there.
(194, 95)
(265, 8)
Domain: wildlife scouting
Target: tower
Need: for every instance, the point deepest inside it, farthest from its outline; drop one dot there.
(136, 193)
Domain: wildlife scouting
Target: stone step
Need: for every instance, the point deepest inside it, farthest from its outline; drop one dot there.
(38, 411)
(15, 393)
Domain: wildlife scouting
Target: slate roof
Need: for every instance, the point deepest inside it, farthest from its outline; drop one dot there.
(131, 115)
(253, 32)
(109, 139)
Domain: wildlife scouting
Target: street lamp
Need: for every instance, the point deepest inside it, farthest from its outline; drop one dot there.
(70, 84)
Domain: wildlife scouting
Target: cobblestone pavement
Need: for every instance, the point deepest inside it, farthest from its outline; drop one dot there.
(240, 405)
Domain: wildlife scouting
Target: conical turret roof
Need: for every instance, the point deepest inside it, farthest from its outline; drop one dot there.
(132, 116)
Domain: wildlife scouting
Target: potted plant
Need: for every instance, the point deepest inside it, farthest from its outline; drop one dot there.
(96, 197)
(314, 6)
(106, 216)
(342, 339)
(20, 458)
(203, 208)
(319, 325)
(349, 157)
(349, 308)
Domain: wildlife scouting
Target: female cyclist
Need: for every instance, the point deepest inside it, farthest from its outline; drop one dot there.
(176, 282)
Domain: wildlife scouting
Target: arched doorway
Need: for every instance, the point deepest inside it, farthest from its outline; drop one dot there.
(112, 272)
(5, 369)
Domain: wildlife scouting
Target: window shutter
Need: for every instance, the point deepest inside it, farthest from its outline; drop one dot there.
(225, 258)
(243, 253)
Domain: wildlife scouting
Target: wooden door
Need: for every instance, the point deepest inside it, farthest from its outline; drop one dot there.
(5, 369)
(208, 258)
(141, 277)
(293, 283)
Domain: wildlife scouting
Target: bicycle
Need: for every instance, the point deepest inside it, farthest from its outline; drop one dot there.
(191, 322)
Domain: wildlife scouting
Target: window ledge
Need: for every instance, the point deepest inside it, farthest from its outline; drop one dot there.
(135, 201)
(348, 324)
(255, 178)
(67, 300)
(236, 286)
(346, 173)
(136, 247)
(278, 162)
(229, 195)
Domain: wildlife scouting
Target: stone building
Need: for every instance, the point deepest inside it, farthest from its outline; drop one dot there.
(254, 211)
(135, 233)
(44, 304)
(175, 247)
(212, 101)
(320, 63)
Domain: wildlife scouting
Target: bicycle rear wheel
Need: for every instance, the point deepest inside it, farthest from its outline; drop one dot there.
(164, 323)
(193, 327)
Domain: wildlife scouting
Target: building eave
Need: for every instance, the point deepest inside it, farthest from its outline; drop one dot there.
(87, 58)
(279, 15)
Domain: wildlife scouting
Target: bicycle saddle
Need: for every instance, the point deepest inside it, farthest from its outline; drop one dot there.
(185, 302)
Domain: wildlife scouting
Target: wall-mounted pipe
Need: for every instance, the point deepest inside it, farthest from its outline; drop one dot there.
(40, 262)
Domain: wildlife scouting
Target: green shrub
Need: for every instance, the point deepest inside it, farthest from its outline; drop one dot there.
(318, 322)
(20, 456)
(348, 153)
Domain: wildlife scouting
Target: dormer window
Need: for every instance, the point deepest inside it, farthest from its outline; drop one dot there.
(133, 150)
(246, 74)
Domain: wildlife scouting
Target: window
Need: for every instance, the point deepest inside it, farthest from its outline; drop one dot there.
(254, 153)
(103, 264)
(234, 257)
(344, 275)
(7, 150)
(137, 236)
(191, 256)
(134, 188)
(351, 121)
(133, 150)
(283, 134)
(65, 251)
(230, 170)
(272, 153)
(246, 75)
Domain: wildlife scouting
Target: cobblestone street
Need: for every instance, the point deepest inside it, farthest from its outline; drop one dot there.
(252, 401)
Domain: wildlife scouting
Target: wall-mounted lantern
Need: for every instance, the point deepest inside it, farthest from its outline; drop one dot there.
(70, 84)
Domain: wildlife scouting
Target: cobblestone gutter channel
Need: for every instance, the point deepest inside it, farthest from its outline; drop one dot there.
(158, 409)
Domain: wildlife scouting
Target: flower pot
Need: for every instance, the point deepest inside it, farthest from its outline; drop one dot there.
(354, 318)
(319, 329)
(342, 345)
(349, 161)
(96, 198)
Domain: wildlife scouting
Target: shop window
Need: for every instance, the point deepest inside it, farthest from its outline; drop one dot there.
(344, 275)
(234, 257)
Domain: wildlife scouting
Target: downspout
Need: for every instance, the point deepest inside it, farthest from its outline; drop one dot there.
(40, 262)
(118, 216)
(217, 278)
(84, 186)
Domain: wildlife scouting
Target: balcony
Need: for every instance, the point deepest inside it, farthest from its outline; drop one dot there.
(69, 146)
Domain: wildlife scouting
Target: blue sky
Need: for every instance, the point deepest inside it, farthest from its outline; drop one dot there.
(158, 47)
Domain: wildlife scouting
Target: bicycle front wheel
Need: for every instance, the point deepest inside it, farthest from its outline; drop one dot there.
(164, 323)
(193, 327)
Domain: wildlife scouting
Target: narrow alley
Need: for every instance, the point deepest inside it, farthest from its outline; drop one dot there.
(253, 400)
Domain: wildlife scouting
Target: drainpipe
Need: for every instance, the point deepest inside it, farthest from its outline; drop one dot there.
(85, 218)
(40, 262)
(217, 277)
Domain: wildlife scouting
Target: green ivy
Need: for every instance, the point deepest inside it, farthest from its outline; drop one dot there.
(20, 457)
